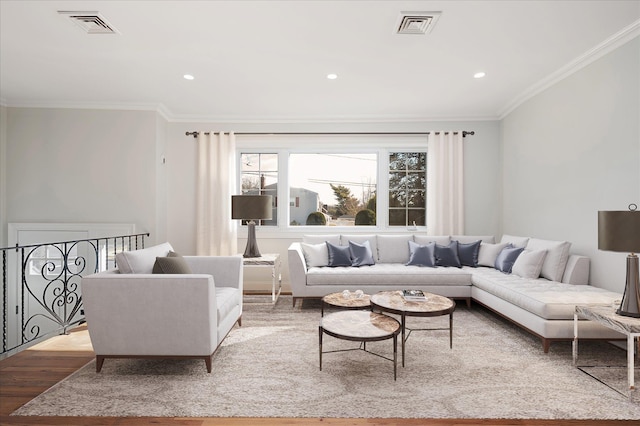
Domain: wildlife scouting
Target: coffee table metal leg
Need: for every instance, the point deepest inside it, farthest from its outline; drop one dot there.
(451, 330)
(395, 356)
(320, 346)
(403, 329)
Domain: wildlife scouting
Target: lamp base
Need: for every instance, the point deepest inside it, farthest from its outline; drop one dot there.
(630, 306)
(252, 245)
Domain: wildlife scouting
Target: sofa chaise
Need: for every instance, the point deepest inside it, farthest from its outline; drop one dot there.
(132, 312)
(539, 293)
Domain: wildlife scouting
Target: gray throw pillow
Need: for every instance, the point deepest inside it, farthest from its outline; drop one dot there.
(339, 255)
(507, 257)
(468, 253)
(422, 255)
(172, 264)
(361, 254)
(447, 255)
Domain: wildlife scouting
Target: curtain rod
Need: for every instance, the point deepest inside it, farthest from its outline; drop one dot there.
(464, 133)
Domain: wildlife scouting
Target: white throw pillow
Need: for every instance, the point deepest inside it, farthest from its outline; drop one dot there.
(488, 253)
(515, 241)
(557, 257)
(394, 248)
(529, 263)
(141, 261)
(315, 254)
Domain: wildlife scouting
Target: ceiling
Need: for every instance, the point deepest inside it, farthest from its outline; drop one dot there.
(268, 60)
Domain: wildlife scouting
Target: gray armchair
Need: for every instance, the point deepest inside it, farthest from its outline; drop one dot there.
(144, 315)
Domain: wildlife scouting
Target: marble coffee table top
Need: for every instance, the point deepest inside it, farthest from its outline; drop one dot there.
(360, 324)
(338, 299)
(393, 301)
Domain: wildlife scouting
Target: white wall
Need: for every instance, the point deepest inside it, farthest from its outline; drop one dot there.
(3, 177)
(572, 150)
(76, 165)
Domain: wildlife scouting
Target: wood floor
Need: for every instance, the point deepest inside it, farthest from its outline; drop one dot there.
(29, 373)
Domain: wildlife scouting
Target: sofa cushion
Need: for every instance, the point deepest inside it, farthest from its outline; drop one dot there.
(556, 259)
(361, 254)
(227, 298)
(466, 239)
(141, 261)
(317, 239)
(172, 264)
(488, 253)
(315, 254)
(394, 248)
(338, 255)
(514, 240)
(529, 263)
(387, 275)
(360, 239)
(468, 253)
(422, 255)
(448, 255)
(547, 299)
(506, 258)
(443, 240)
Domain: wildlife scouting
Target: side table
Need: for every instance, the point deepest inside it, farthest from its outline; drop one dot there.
(606, 316)
(272, 262)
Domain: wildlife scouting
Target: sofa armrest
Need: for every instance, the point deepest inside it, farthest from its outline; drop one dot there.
(151, 314)
(297, 268)
(577, 270)
(227, 271)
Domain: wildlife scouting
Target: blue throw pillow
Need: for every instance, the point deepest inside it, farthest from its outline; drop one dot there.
(422, 255)
(507, 257)
(338, 255)
(361, 254)
(468, 253)
(448, 255)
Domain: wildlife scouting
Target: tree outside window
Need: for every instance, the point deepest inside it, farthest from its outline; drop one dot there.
(407, 188)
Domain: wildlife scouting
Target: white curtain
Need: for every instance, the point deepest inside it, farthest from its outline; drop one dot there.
(445, 187)
(216, 232)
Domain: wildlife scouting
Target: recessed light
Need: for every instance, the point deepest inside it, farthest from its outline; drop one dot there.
(479, 74)
(188, 77)
(332, 76)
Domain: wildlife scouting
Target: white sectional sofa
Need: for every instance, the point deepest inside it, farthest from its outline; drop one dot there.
(539, 295)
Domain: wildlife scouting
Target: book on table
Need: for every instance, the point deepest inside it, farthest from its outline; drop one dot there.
(413, 295)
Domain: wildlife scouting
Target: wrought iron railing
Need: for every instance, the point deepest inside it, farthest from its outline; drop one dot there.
(41, 285)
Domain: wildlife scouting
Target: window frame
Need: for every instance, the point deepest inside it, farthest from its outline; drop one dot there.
(284, 144)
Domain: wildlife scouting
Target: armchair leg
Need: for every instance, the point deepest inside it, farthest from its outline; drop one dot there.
(239, 321)
(99, 362)
(208, 361)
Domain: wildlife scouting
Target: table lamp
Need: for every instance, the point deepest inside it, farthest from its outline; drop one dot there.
(251, 208)
(620, 231)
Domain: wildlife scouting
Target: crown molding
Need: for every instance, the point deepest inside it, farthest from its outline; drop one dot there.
(609, 45)
(88, 105)
(323, 119)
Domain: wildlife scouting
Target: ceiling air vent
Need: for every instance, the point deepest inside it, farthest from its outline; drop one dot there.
(416, 22)
(90, 22)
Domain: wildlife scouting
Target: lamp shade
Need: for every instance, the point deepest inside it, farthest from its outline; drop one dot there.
(619, 231)
(250, 207)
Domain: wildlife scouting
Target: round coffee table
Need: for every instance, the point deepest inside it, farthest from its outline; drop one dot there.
(434, 305)
(360, 326)
(339, 301)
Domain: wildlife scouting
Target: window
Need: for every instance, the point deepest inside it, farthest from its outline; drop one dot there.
(259, 176)
(324, 181)
(407, 188)
(332, 188)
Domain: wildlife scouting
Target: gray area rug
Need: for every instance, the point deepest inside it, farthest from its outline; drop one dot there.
(269, 368)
